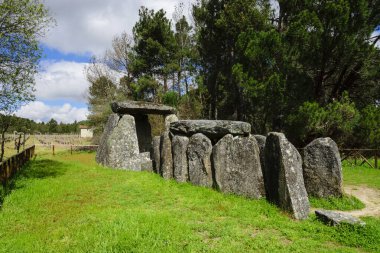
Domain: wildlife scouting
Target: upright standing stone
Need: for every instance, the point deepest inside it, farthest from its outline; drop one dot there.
(170, 119)
(322, 169)
(118, 145)
(283, 176)
(166, 156)
(237, 166)
(180, 165)
(261, 139)
(156, 154)
(199, 155)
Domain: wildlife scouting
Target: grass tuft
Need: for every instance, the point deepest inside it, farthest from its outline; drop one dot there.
(345, 203)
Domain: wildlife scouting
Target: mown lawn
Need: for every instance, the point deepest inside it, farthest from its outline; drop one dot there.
(361, 175)
(69, 204)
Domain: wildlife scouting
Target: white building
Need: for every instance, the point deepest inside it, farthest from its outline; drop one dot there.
(86, 132)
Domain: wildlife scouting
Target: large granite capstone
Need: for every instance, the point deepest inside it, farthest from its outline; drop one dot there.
(283, 176)
(322, 169)
(211, 128)
(140, 107)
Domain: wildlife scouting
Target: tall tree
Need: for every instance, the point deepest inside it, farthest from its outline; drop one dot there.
(22, 23)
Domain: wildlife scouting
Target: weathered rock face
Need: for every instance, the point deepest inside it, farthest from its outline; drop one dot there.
(211, 128)
(140, 107)
(166, 156)
(180, 165)
(144, 133)
(156, 154)
(322, 169)
(261, 139)
(119, 146)
(170, 119)
(334, 218)
(199, 154)
(237, 166)
(283, 176)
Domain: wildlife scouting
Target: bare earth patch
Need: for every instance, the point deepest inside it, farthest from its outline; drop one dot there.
(369, 196)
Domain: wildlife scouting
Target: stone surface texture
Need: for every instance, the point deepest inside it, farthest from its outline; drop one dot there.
(237, 167)
(144, 132)
(199, 159)
(180, 165)
(166, 156)
(169, 119)
(334, 218)
(283, 176)
(211, 128)
(140, 107)
(119, 147)
(156, 154)
(261, 139)
(322, 169)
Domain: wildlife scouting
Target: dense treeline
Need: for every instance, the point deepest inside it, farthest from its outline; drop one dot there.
(29, 126)
(307, 68)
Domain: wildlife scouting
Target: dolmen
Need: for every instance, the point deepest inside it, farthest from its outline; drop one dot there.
(126, 141)
(222, 155)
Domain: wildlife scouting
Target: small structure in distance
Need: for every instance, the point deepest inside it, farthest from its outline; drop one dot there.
(86, 131)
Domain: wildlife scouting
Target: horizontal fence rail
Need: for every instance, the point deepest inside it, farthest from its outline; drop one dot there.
(13, 164)
(361, 157)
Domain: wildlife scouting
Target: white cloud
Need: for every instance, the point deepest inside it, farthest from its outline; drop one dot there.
(88, 26)
(41, 112)
(62, 80)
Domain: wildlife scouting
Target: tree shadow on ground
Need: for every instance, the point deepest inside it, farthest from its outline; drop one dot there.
(40, 169)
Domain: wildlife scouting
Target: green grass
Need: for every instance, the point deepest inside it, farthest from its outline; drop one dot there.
(361, 175)
(67, 203)
(346, 203)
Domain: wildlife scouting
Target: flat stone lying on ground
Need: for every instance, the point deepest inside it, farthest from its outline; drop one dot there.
(140, 107)
(322, 169)
(283, 176)
(237, 167)
(210, 128)
(334, 218)
(199, 159)
(119, 146)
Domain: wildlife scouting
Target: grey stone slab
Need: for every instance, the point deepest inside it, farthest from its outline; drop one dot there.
(156, 154)
(322, 169)
(283, 176)
(166, 156)
(261, 139)
(199, 159)
(334, 218)
(237, 167)
(180, 165)
(211, 128)
(141, 107)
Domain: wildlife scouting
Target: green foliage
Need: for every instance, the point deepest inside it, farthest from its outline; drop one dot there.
(337, 120)
(368, 129)
(345, 203)
(171, 98)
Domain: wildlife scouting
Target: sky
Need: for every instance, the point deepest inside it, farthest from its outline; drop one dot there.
(83, 28)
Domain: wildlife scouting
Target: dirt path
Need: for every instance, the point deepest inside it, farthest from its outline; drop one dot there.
(369, 196)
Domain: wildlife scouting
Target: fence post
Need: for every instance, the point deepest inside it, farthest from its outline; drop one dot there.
(53, 150)
(376, 154)
(71, 149)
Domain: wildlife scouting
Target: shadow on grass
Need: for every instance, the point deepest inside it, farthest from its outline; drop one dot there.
(39, 169)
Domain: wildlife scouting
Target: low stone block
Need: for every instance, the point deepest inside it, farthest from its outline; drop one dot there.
(322, 169)
(199, 159)
(237, 166)
(334, 218)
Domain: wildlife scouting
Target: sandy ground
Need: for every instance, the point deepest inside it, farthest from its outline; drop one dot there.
(369, 196)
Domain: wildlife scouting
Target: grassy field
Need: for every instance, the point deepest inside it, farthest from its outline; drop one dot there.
(361, 175)
(67, 203)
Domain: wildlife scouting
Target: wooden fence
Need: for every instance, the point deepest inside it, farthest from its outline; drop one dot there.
(13, 164)
(360, 157)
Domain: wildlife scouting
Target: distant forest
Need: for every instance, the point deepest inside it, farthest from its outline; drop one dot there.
(52, 127)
